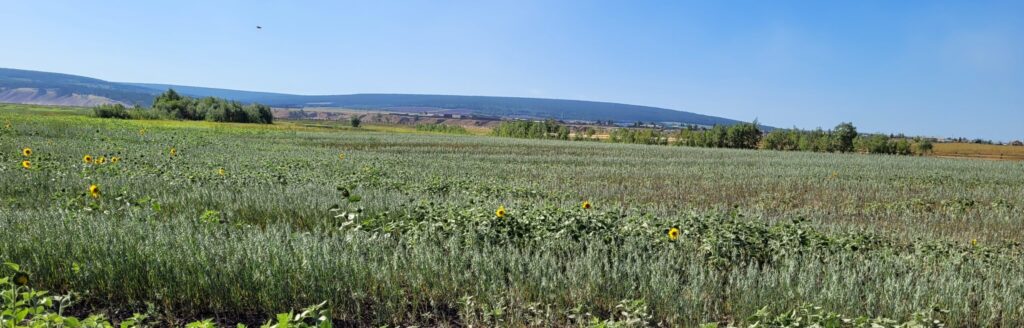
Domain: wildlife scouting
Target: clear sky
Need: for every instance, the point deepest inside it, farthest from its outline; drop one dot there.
(920, 67)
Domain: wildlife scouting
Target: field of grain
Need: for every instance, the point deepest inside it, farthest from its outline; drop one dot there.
(980, 151)
(234, 221)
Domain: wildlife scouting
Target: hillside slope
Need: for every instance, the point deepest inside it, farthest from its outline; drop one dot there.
(479, 105)
(42, 88)
(32, 87)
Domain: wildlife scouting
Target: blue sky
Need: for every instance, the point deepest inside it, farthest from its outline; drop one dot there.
(920, 67)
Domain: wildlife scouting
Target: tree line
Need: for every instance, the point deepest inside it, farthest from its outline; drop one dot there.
(743, 136)
(549, 129)
(171, 105)
(843, 138)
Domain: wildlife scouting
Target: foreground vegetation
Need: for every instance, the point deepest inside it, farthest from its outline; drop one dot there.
(238, 222)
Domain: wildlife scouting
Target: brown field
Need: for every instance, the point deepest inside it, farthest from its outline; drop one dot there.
(980, 151)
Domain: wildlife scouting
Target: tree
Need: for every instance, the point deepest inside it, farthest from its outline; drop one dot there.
(355, 121)
(744, 135)
(924, 147)
(844, 134)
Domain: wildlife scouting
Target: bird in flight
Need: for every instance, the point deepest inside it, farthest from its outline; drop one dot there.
(259, 27)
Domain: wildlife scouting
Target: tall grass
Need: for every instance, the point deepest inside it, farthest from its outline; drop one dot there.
(884, 235)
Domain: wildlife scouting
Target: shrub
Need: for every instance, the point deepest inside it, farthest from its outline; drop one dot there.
(111, 111)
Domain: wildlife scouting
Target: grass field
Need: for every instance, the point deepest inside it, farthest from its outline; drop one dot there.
(392, 227)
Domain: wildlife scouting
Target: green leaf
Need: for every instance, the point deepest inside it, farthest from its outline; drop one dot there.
(72, 322)
(283, 319)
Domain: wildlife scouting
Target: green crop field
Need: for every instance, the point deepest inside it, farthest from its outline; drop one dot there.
(237, 222)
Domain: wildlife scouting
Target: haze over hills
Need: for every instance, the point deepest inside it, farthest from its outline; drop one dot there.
(33, 87)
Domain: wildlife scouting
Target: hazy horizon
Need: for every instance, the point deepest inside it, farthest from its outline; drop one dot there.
(944, 69)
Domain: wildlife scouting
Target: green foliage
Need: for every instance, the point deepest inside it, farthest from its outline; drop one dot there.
(743, 136)
(548, 129)
(173, 105)
(22, 306)
(843, 136)
(111, 111)
(841, 139)
(441, 128)
(402, 229)
(816, 316)
(638, 136)
(881, 144)
(355, 121)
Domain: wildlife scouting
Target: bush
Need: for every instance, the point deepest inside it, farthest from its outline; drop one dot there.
(111, 111)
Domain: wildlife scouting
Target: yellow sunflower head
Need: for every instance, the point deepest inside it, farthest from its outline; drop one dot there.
(220, 171)
(341, 156)
(142, 132)
(94, 191)
(500, 212)
(26, 152)
(21, 279)
(26, 164)
(174, 151)
(101, 160)
(974, 242)
(586, 205)
(87, 159)
(673, 234)
(115, 159)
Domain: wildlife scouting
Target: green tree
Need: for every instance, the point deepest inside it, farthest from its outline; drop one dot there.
(744, 135)
(843, 136)
(355, 121)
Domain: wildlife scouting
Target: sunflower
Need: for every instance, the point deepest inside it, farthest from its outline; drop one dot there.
(26, 164)
(101, 160)
(341, 156)
(27, 152)
(94, 191)
(974, 242)
(87, 159)
(586, 205)
(500, 212)
(115, 159)
(174, 151)
(673, 234)
(142, 132)
(220, 171)
(21, 279)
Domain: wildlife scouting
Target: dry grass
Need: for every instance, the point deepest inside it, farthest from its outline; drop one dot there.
(981, 151)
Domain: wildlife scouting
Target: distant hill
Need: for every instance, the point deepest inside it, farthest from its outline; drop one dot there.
(21, 86)
(31, 87)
